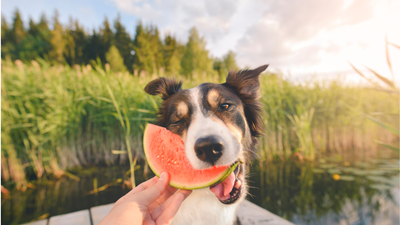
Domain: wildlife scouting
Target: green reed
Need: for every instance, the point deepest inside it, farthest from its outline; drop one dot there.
(58, 117)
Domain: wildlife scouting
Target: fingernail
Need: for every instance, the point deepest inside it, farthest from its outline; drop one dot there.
(163, 176)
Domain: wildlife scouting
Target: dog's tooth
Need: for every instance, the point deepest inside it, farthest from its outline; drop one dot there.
(238, 183)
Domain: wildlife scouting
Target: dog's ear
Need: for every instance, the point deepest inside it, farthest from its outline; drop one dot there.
(246, 83)
(164, 87)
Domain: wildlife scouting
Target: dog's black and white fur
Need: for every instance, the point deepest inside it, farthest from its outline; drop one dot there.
(219, 124)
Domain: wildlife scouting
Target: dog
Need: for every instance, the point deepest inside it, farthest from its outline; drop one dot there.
(219, 125)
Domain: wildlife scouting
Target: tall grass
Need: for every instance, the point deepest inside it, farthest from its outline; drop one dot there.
(57, 117)
(330, 114)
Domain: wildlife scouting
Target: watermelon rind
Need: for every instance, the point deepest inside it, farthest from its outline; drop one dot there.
(215, 180)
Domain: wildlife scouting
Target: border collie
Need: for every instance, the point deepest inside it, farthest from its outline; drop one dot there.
(219, 124)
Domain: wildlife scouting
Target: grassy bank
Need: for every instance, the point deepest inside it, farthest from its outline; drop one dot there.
(57, 117)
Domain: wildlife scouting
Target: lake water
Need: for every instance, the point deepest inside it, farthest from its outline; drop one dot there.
(327, 191)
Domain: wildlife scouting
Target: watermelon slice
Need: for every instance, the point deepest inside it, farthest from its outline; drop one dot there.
(165, 152)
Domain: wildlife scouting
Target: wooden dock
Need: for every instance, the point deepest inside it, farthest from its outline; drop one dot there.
(249, 214)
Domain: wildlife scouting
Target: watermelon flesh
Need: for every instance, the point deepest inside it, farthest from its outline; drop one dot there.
(165, 152)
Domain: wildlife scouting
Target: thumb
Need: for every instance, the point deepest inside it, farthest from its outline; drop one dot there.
(152, 193)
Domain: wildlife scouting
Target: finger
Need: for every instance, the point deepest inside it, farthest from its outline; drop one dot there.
(168, 214)
(164, 197)
(141, 187)
(148, 221)
(157, 212)
(144, 185)
(152, 193)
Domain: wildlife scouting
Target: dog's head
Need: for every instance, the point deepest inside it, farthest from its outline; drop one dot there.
(219, 123)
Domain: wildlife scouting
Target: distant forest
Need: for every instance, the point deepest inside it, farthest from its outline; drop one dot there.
(144, 53)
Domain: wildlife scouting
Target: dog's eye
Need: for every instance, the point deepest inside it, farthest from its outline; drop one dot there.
(177, 121)
(225, 106)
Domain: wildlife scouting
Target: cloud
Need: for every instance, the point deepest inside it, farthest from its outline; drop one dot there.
(306, 35)
(213, 19)
(294, 32)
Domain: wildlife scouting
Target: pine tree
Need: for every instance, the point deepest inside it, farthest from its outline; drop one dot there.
(43, 24)
(156, 47)
(57, 41)
(36, 42)
(106, 39)
(123, 43)
(6, 43)
(29, 47)
(33, 28)
(43, 45)
(18, 30)
(230, 61)
(173, 52)
(69, 50)
(93, 48)
(226, 64)
(196, 59)
(80, 43)
(143, 59)
(115, 60)
(219, 67)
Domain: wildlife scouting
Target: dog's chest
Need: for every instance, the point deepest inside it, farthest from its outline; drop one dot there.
(202, 207)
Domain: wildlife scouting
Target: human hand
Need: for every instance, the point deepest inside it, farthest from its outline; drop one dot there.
(153, 202)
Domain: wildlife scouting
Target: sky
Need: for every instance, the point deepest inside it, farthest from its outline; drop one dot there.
(300, 38)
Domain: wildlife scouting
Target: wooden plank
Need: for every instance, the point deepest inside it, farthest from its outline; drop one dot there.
(77, 218)
(39, 222)
(248, 213)
(99, 212)
(252, 214)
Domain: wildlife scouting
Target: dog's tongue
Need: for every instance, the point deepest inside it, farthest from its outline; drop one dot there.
(223, 189)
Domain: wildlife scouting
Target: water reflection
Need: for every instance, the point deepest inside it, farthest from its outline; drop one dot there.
(307, 193)
(304, 193)
(62, 196)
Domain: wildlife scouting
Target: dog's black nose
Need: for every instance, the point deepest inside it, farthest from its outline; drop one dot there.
(209, 149)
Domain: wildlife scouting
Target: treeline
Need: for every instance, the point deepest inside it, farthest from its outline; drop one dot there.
(143, 53)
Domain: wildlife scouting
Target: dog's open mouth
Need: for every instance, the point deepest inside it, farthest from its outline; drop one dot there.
(230, 190)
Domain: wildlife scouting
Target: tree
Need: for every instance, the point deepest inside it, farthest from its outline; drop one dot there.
(42, 38)
(196, 59)
(143, 59)
(43, 24)
(18, 30)
(57, 41)
(6, 43)
(80, 43)
(156, 47)
(115, 60)
(224, 65)
(123, 43)
(173, 52)
(35, 43)
(76, 41)
(33, 28)
(230, 61)
(69, 50)
(94, 49)
(220, 68)
(106, 36)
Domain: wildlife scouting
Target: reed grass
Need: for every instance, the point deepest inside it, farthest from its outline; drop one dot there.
(58, 117)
